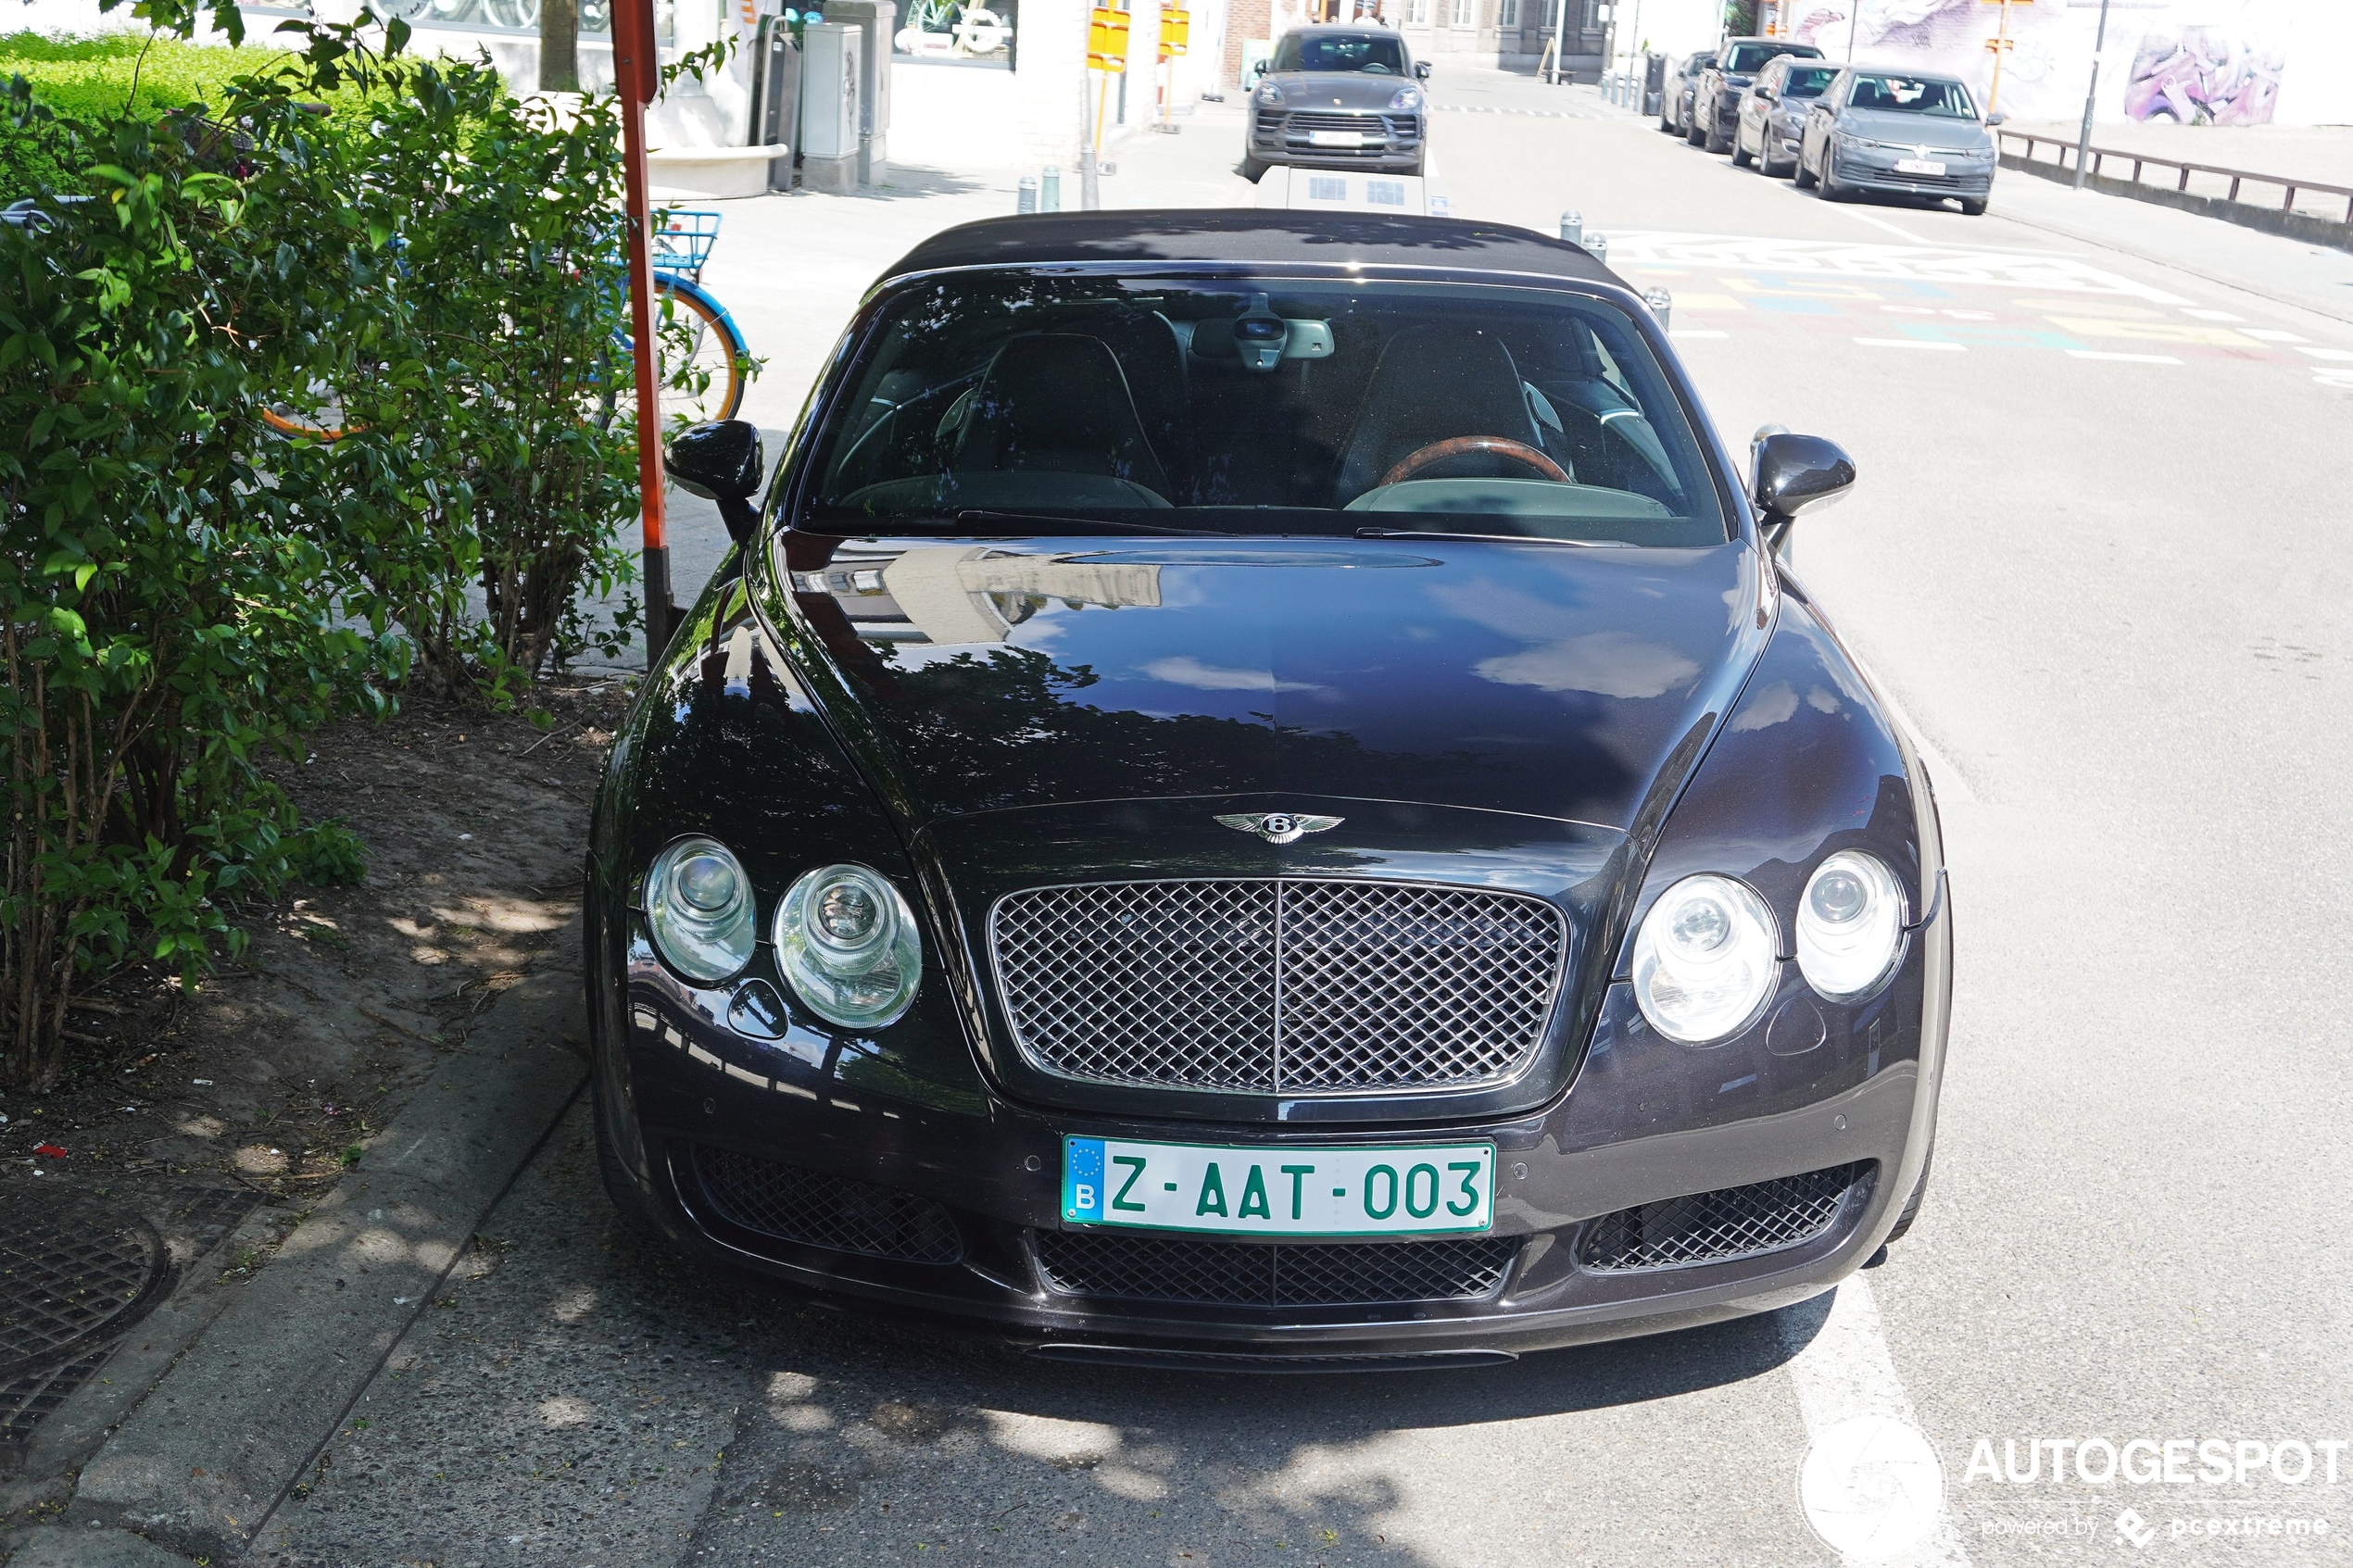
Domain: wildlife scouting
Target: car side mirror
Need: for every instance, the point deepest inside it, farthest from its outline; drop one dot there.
(1796, 474)
(720, 461)
(1996, 118)
(1421, 70)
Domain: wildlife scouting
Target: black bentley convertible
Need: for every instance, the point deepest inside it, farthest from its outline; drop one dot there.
(1258, 792)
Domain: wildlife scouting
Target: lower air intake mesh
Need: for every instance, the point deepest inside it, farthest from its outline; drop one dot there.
(821, 1211)
(1137, 1267)
(1707, 1227)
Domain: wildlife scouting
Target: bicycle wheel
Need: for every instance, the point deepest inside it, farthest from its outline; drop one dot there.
(703, 361)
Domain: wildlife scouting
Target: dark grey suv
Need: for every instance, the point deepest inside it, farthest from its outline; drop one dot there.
(1715, 102)
(1339, 97)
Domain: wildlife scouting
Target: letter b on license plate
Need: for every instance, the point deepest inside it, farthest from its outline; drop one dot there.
(1362, 1190)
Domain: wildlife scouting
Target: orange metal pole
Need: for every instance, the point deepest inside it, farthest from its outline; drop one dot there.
(635, 78)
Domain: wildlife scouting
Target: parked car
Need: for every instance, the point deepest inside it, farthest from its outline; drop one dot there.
(1898, 134)
(1716, 98)
(1153, 604)
(1675, 102)
(1772, 114)
(1338, 97)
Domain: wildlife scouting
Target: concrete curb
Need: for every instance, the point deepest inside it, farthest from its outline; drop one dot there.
(208, 1455)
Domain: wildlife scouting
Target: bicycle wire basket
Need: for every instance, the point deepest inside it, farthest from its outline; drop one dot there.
(683, 242)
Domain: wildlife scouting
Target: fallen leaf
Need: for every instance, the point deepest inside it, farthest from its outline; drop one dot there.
(51, 1150)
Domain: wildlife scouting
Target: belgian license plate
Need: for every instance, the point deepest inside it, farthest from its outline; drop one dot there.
(1385, 1189)
(1919, 166)
(1336, 138)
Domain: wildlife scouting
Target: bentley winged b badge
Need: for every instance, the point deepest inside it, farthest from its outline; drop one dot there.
(1278, 827)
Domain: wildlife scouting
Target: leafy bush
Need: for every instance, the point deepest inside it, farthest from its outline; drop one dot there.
(428, 275)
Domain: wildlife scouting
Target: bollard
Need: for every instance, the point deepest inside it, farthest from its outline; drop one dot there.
(1573, 227)
(1597, 247)
(1028, 200)
(1050, 190)
(1660, 302)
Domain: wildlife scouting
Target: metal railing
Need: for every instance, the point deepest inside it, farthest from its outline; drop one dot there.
(2237, 176)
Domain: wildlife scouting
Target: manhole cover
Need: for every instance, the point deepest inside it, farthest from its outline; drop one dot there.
(73, 1273)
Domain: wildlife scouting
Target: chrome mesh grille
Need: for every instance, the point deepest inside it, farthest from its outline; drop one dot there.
(1180, 1268)
(1289, 986)
(817, 1209)
(1708, 1227)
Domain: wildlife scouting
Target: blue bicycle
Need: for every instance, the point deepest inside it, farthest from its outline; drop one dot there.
(705, 362)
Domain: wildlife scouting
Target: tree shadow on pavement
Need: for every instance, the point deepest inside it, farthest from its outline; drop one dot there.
(866, 1441)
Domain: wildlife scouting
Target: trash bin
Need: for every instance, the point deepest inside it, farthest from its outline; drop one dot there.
(1653, 82)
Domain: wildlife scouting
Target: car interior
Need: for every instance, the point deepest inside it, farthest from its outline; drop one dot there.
(1324, 407)
(1912, 95)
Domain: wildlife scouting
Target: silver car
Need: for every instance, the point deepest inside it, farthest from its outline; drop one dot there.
(1895, 134)
(1772, 114)
(1338, 97)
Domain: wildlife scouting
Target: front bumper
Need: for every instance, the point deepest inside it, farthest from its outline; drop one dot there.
(1857, 171)
(1388, 143)
(1810, 1087)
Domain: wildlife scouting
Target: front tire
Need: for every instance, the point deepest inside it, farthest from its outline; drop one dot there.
(1803, 175)
(1912, 1204)
(1693, 134)
(1831, 190)
(1251, 168)
(1717, 141)
(1973, 207)
(1739, 152)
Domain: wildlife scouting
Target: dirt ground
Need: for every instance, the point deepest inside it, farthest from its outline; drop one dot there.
(275, 1074)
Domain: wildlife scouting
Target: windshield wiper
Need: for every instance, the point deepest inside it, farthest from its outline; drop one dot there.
(1056, 522)
(1498, 538)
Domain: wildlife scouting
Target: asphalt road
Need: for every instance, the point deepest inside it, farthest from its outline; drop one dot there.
(2099, 556)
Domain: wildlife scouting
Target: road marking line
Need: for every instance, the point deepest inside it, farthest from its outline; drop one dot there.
(1844, 1371)
(2122, 358)
(2328, 352)
(2271, 335)
(1695, 332)
(2211, 315)
(1912, 342)
(1905, 236)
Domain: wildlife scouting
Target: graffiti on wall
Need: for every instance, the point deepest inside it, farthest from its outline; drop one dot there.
(2204, 76)
(2202, 62)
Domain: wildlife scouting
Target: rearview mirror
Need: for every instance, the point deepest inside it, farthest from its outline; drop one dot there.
(1996, 118)
(1796, 474)
(720, 461)
(1421, 70)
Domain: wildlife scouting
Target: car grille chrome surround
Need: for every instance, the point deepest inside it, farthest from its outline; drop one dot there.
(1711, 1227)
(817, 1209)
(1244, 1273)
(1277, 986)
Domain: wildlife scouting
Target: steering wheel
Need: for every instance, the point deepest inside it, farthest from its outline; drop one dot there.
(1421, 457)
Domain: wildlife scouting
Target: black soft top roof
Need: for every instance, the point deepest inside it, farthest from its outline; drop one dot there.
(1250, 235)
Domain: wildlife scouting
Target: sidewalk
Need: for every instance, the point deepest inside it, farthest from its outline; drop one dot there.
(2323, 152)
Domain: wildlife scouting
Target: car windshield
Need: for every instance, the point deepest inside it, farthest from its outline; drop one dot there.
(1807, 82)
(1912, 95)
(1746, 58)
(1268, 407)
(1697, 63)
(1376, 54)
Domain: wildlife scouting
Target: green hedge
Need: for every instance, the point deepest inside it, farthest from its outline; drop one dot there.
(93, 79)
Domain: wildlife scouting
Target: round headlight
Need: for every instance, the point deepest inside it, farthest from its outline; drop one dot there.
(699, 903)
(1850, 925)
(847, 942)
(1704, 960)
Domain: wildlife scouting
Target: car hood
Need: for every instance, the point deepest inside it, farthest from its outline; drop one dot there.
(1914, 130)
(1337, 89)
(1556, 680)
